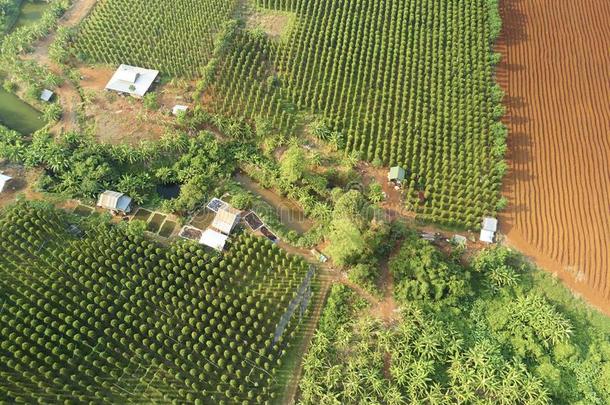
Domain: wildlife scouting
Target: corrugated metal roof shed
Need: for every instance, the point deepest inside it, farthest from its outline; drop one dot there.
(490, 224)
(225, 220)
(46, 95)
(132, 80)
(397, 173)
(487, 236)
(113, 200)
(213, 239)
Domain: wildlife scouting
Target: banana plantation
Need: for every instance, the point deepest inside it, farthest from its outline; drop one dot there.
(524, 342)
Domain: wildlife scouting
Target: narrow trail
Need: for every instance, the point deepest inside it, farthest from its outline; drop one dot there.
(387, 309)
(67, 93)
(310, 328)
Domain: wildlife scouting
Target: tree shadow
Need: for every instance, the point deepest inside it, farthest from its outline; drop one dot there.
(514, 22)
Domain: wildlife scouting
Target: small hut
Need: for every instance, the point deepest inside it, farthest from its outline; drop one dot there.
(397, 174)
(132, 80)
(4, 180)
(213, 239)
(46, 95)
(115, 201)
(225, 220)
(488, 230)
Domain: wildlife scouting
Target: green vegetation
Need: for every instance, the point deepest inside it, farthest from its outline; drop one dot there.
(421, 274)
(26, 77)
(93, 313)
(18, 115)
(510, 335)
(31, 11)
(76, 165)
(173, 37)
(9, 11)
(408, 82)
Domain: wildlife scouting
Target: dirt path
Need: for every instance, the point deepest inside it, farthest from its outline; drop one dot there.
(334, 275)
(556, 76)
(387, 309)
(67, 93)
(310, 328)
(328, 276)
(75, 14)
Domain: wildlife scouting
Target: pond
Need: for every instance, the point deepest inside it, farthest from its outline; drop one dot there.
(168, 191)
(19, 115)
(289, 213)
(14, 112)
(30, 13)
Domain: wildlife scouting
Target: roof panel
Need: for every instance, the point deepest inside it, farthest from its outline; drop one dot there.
(213, 239)
(132, 80)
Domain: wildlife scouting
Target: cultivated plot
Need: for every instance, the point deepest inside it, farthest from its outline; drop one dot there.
(556, 73)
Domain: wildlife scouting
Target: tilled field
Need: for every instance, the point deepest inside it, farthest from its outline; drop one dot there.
(556, 73)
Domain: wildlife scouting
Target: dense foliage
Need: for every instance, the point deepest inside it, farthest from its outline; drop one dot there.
(100, 315)
(9, 10)
(406, 82)
(78, 166)
(522, 342)
(17, 73)
(421, 274)
(174, 37)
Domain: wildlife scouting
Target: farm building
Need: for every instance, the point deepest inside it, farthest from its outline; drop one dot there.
(132, 80)
(4, 180)
(179, 109)
(225, 220)
(46, 95)
(114, 201)
(218, 232)
(214, 239)
(397, 174)
(489, 229)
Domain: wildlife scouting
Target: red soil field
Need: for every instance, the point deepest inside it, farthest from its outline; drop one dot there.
(556, 74)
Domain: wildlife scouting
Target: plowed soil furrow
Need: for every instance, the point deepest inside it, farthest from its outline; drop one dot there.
(556, 73)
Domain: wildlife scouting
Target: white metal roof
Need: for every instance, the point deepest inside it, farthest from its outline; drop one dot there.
(179, 108)
(490, 224)
(213, 239)
(487, 236)
(129, 76)
(225, 219)
(113, 200)
(46, 95)
(132, 80)
(3, 180)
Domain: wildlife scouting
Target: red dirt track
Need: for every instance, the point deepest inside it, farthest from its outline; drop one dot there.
(556, 74)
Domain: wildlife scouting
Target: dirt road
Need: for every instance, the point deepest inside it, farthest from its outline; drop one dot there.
(67, 94)
(557, 78)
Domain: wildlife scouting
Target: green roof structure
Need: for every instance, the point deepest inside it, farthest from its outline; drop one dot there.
(397, 173)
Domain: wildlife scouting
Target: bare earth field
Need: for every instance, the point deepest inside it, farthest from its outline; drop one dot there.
(556, 73)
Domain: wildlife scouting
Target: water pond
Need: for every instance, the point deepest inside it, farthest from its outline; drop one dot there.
(14, 112)
(30, 13)
(19, 115)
